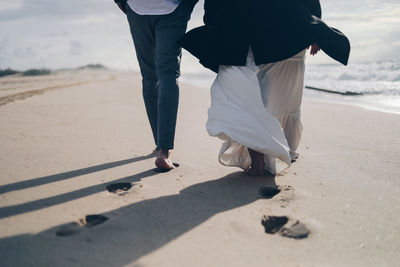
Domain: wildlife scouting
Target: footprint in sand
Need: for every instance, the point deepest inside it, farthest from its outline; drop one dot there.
(119, 188)
(269, 192)
(76, 227)
(274, 224)
(293, 229)
(297, 230)
(286, 196)
(69, 229)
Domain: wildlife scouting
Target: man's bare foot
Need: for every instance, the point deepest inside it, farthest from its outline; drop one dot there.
(257, 163)
(162, 161)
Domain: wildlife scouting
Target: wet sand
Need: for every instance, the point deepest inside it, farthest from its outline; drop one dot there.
(65, 151)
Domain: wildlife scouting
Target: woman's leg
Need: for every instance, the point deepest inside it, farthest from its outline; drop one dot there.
(257, 163)
(282, 90)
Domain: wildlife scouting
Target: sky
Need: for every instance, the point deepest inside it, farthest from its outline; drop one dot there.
(66, 34)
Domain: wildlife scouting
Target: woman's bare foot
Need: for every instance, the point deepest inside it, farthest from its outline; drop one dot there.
(162, 160)
(253, 172)
(257, 163)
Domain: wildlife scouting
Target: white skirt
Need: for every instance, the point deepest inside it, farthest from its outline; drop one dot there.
(258, 107)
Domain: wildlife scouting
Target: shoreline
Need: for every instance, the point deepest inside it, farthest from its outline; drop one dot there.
(348, 102)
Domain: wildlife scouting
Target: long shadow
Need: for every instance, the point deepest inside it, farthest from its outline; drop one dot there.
(55, 200)
(67, 175)
(135, 230)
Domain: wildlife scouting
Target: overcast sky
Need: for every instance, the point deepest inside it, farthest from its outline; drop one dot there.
(58, 34)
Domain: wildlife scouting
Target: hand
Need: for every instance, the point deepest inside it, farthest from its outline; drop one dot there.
(314, 49)
(121, 6)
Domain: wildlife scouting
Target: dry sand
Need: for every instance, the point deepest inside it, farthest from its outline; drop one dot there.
(60, 149)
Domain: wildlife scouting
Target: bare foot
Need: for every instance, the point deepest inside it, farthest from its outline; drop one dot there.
(162, 161)
(254, 172)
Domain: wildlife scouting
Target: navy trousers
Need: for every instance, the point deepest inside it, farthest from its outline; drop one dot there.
(155, 39)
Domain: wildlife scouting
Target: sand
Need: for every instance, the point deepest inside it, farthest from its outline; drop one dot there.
(62, 148)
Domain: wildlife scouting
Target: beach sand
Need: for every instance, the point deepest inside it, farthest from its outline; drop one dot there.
(60, 150)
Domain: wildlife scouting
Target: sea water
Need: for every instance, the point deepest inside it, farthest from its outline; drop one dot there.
(372, 85)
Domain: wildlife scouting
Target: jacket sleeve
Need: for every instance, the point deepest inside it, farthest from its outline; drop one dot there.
(189, 3)
(210, 12)
(313, 6)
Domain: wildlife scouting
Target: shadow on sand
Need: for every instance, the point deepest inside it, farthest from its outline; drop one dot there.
(137, 229)
(67, 175)
(8, 211)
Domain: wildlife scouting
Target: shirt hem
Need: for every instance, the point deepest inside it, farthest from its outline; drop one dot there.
(155, 13)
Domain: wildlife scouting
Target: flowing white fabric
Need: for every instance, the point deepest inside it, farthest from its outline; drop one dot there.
(258, 107)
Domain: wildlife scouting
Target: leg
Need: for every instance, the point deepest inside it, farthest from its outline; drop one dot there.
(143, 36)
(282, 90)
(169, 29)
(257, 163)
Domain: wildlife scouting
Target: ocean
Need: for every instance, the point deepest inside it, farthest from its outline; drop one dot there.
(371, 85)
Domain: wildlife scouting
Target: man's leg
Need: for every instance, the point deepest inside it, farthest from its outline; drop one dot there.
(143, 35)
(169, 29)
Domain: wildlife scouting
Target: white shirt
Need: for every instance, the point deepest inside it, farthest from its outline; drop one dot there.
(153, 7)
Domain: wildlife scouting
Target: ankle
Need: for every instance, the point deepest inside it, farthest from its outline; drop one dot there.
(257, 167)
(163, 153)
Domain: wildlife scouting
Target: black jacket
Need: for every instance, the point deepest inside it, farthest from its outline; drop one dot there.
(275, 30)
